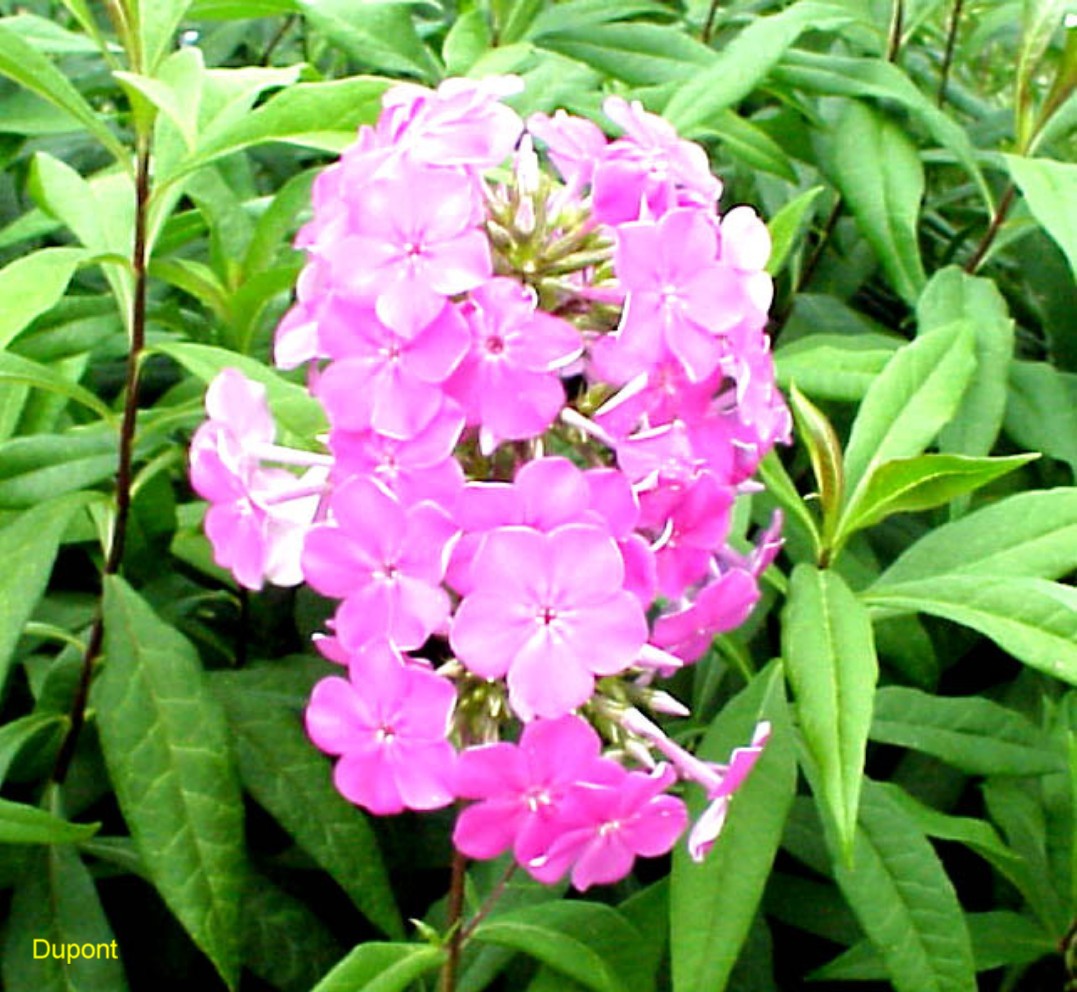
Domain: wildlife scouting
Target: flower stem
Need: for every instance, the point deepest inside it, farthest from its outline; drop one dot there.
(124, 476)
(488, 903)
(451, 968)
(951, 42)
(993, 228)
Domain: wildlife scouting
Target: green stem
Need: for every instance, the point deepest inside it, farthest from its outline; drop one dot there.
(897, 26)
(708, 24)
(951, 42)
(451, 968)
(993, 228)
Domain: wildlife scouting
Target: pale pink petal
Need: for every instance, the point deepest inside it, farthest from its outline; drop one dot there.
(336, 714)
(488, 632)
(423, 772)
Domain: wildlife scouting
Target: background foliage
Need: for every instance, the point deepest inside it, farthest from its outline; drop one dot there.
(912, 822)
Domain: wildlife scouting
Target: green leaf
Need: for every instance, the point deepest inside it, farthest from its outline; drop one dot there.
(564, 18)
(570, 937)
(157, 22)
(951, 295)
(466, 42)
(32, 284)
(292, 781)
(908, 485)
(16, 734)
(974, 734)
(56, 902)
(23, 63)
(379, 35)
(48, 36)
(781, 488)
(1050, 190)
(745, 62)
(712, 904)
(317, 115)
(21, 824)
(904, 901)
(16, 369)
(878, 172)
(28, 546)
(829, 658)
(1030, 534)
(834, 366)
(751, 145)
(293, 407)
(910, 401)
(1042, 410)
(785, 227)
(35, 469)
(824, 451)
(377, 967)
(1035, 620)
(166, 746)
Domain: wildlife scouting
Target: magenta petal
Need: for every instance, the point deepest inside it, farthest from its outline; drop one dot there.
(554, 491)
(545, 682)
(333, 564)
(368, 780)
(585, 565)
(337, 716)
(657, 827)
(561, 749)
(487, 633)
(604, 861)
(423, 772)
(403, 405)
(440, 347)
(371, 515)
(607, 638)
(459, 265)
(488, 770)
(428, 706)
(487, 829)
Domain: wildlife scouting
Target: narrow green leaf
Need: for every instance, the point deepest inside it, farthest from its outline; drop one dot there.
(48, 36)
(834, 366)
(829, 657)
(23, 63)
(785, 227)
(32, 284)
(22, 824)
(750, 145)
(878, 172)
(15, 735)
(908, 485)
(908, 404)
(287, 776)
(1035, 620)
(377, 967)
(1041, 412)
(294, 408)
(56, 903)
(972, 733)
(1050, 190)
(824, 451)
(904, 901)
(565, 936)
(564, 18)
(157, 21)
(466, 42)
(782, 489)
(712, 904)
(28, 548)
(745, 62)
(166, 746)
(16, 369)
(1031, 534)
(37, 468)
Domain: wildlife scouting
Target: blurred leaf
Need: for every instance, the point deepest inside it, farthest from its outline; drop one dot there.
(1042, 410)
(56, 901)
(908, 404)
(1040, 20)
(1030, 534)
(751, 145)
(466, 41)
(974, 734)
(904, 901)
(834, 366)
(878, 172)
(28, 546)
(291, 779)
(712, 904)
(1050, 190)
(166, 746)
(35, 469)
(377, 967)
(746, 60)
(1035, 620)
(582, 940)
(564, 18)
(952, 295)
(829, 659)
(47, 36)
(16, 369)
(16, 734)
(32, 284)
(785, 227)
(157, 22)
(22, 824)
(908, 485)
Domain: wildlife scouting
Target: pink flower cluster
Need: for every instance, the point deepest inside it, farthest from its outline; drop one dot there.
(544, 394)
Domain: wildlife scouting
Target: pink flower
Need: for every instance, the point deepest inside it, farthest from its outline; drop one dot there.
(573, 144)
(386, 559)
(389, 723)
(523, 787)
(721, 605)
(604, 827)
(508, 384)
(548, 611)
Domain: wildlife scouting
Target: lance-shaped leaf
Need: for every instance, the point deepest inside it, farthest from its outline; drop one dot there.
(824, 450)
(904, 901)
(785, 226)
(22, 824)
(378, 967)
(878, 171)
(156, 23)
(36, 468)
(835, 366)
(829, 657)
(33, 284)
(712, 904)
(166, 746)
(28, 548)
(952, 295)
(908, 485)
(16, 369)
(1035, 620)
(974, 734)
(55, 902)
(1050, 190)
(908, 404)
(1041, 409)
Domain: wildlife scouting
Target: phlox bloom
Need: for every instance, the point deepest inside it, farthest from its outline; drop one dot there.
(388, 722)
(549, 611)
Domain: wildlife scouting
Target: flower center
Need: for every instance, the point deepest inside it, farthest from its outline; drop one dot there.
(495, 345)
(385, 734)
(535, 799)
(546, 616)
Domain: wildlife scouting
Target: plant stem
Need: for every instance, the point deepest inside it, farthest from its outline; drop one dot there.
(897, 25)
(488, 903)
(124, 476)
(708, 24)
(451, 968)
(993, 228)
(951, 42)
